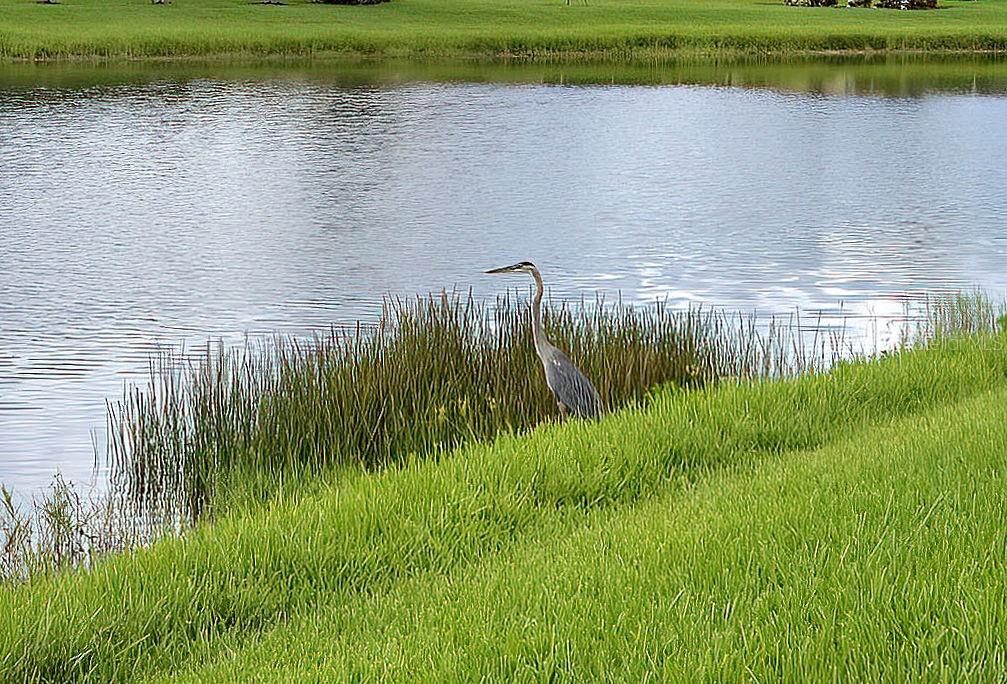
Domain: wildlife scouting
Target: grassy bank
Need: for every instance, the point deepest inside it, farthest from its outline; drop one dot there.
(483, 28)
(876, 558)
(733, 522)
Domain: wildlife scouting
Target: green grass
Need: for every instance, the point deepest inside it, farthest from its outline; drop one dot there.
(484, 28)
(876, 558)
(841, 522)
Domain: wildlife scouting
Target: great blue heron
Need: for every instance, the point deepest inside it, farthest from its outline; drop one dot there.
(573, 391)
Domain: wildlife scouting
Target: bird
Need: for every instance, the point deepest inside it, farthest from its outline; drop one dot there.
(573, 391)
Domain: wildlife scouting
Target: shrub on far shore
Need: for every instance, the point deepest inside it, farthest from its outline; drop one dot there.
(350, 2)
(907, 4)
(810, 3)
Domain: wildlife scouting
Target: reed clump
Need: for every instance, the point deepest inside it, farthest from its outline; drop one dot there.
(65, 526)
(432, 373)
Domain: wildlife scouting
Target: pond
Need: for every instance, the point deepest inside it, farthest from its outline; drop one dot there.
(149, 207)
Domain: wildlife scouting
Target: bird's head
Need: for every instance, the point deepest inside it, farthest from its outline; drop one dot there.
(522, 267)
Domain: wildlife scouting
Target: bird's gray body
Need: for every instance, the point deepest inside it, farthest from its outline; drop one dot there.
(573, 391)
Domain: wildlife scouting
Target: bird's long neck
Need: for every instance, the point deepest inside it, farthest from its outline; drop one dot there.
(538, 332)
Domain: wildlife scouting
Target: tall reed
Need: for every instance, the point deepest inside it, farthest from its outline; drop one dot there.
(433, 372)
(64, 526)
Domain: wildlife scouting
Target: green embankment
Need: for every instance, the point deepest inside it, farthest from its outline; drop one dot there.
(484, 28)
(846, 523)
(876, 558)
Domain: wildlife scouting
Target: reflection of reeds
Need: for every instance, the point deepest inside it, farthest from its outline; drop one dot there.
(432, 373)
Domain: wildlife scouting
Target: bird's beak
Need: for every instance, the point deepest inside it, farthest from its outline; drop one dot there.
(504, 269)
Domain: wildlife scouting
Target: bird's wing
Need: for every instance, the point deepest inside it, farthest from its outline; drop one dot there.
(571, 386)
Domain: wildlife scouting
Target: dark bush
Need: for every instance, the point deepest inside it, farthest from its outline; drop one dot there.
(810, 3)
(907, 4)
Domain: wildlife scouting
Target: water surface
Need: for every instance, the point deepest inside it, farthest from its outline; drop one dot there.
(158, 208)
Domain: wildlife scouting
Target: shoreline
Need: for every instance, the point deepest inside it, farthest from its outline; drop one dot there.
(542, 58)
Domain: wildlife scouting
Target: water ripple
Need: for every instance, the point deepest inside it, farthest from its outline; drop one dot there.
(163, 214)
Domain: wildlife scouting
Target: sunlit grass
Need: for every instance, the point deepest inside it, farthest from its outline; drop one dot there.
(712, 456)
(487, 28)
(877, 558)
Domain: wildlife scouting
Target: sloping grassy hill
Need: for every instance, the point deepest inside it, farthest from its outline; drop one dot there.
(843, 525)
(487, 28)
(879, 557)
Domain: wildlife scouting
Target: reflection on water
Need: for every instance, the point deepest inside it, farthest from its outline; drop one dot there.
(898, 76)
(156, 210)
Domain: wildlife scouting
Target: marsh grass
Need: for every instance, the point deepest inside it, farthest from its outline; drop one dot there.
(433, 373)
(63, 527)
(961, 314)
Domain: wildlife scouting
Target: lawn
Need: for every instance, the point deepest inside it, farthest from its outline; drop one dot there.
(431, 29)
(836, 526)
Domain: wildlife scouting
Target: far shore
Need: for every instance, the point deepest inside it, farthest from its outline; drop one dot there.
(496, 30)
